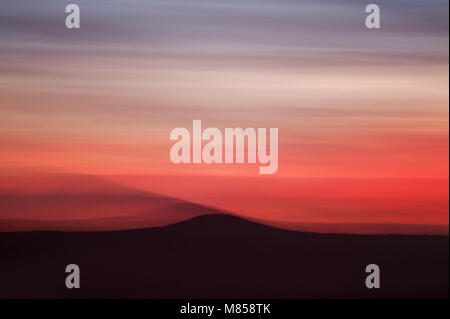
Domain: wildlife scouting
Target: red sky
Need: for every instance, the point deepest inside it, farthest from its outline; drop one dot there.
(363, 117)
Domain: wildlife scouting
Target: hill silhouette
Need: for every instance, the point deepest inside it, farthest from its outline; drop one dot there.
(221, 256)
(33, 201)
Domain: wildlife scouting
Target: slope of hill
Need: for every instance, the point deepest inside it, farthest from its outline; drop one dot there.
(76, 202)
(217, 256)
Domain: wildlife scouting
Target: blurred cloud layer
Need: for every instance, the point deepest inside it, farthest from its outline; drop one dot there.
(349, 102)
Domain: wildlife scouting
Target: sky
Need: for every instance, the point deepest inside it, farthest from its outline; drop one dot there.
(362, 114)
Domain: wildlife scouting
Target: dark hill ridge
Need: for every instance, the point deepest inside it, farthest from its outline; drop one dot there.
(170, 212)
(217, 256)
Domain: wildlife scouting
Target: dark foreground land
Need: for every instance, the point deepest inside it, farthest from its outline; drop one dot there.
(219, 256)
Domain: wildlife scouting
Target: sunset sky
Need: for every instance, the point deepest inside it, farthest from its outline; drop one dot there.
(363, 115)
